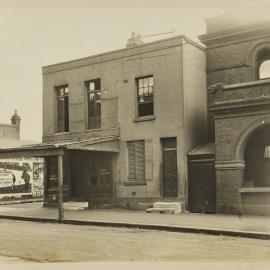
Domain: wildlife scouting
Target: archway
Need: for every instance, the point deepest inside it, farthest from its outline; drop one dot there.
(257, 163)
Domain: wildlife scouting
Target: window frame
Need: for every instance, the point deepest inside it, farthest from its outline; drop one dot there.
(65, 112)
(97, 121)
(149, 97)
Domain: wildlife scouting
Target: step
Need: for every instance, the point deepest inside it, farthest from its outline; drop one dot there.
(162, 207)
(73, 205)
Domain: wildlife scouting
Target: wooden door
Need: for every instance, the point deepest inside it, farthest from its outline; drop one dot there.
(202, 187)
(100, 182)
(169, 167)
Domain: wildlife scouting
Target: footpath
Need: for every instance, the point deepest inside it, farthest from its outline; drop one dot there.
(214, 224)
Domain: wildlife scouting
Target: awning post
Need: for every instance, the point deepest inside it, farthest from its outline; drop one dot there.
(60, 189)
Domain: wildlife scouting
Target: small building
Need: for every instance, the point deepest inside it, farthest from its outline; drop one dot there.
(126, 120)
(20, 176)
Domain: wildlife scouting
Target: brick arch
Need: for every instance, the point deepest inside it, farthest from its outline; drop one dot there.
(253, 57)
(242, 140)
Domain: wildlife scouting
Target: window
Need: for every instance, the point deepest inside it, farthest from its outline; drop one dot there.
(263, 62)
(145, 96)
(136, 157)
(94, 105)
(62, 109)
(264, 71)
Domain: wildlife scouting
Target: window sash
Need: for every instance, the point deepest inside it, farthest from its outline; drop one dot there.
(62, 109)
(94, 104)
(145, 95)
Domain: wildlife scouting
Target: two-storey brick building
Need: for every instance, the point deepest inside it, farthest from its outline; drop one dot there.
(238, 57)
(128, 119)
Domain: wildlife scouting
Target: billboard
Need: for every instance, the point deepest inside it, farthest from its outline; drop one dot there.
(21, 177)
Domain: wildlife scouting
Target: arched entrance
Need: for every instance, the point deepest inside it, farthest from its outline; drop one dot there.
(257, 158)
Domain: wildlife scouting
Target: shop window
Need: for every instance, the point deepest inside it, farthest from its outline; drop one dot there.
(62, 109)
(263, 59)
(94, 103)
(136, 158)
(145, 96)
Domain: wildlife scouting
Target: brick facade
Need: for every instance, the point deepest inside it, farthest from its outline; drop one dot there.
(239, 105)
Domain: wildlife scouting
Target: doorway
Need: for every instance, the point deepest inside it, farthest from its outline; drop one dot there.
(202, 186)
(169, 167)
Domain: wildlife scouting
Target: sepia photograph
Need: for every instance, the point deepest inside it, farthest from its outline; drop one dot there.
(134, 132)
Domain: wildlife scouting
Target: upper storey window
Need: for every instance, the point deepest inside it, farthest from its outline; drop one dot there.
(145, 96)
(264, 70)
(94, 104)
(264, 64)
(62, 109)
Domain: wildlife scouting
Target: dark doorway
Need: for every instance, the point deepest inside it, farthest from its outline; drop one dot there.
(257, 159)
(202, 186)
(92, 176)
(169, 161)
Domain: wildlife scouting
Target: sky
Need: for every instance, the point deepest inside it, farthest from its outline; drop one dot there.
(32, 37)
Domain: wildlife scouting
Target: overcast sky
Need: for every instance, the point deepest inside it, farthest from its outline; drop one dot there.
(32, 37)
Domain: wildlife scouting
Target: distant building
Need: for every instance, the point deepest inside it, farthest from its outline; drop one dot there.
(19, 176)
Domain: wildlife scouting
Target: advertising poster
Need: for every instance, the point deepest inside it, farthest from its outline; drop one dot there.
(21, 176)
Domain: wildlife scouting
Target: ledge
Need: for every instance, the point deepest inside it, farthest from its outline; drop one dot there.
(134, 183)
(246, 84)
(144, 118)
(255, 190)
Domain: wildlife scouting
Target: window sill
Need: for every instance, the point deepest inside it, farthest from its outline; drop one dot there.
(93, 129)
(255, 189)
(134, 183)
(144, 118)
(60, 133)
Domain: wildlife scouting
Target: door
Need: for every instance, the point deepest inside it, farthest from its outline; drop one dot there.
(202, 187)
(100, 180)
(169, 167)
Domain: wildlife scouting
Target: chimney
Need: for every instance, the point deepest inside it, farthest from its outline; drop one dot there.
(135, 40)
(15, 120)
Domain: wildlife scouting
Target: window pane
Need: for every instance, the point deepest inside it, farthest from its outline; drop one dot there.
(264, 71)
(145, 82)
(91, 86)
(150, 90)
(140, 92)
(145, 91)
(151, 81)
(140, 83)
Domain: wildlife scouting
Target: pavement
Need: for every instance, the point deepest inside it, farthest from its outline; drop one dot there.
(215, 224)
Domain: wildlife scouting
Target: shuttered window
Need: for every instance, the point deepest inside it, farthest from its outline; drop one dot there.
(136, 161)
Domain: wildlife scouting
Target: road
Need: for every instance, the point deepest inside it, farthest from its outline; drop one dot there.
(43, 242)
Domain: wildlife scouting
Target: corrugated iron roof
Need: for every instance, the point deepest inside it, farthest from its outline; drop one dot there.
(72, 144)
(203, 149)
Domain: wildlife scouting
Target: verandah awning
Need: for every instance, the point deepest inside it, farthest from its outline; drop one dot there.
(103, 144)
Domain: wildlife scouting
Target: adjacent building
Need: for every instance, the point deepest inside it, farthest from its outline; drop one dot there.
(238, 72)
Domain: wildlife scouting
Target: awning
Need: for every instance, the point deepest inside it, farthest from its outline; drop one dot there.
(102, 144)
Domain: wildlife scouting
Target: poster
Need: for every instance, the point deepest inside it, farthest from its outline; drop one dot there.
(21, 177)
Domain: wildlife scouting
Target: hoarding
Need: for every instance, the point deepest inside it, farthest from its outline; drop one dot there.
(21, 177)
